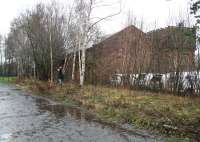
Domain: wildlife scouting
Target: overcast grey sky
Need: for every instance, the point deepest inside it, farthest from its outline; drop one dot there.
(150, 11)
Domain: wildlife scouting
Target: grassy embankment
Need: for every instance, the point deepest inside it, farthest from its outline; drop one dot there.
(163, 113)
(4, 79)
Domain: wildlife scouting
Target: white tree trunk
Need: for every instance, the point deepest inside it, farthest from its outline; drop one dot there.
(73, 67)
(51, 56)
(34, 70)
(82, 71)
(80, 68)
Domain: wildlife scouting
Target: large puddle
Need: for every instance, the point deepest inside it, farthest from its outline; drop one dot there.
(24, 118)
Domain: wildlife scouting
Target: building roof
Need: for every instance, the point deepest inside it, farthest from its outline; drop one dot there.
(129, 28)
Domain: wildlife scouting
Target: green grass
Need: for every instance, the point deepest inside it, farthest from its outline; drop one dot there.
(175, 116)
(4, 79)
(174, 139)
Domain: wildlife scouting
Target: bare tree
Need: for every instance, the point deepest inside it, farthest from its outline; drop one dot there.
(84, 10)
(43, 37)
(1, 55)
(36, 41)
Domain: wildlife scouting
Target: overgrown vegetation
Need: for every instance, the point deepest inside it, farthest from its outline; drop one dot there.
(171, 115)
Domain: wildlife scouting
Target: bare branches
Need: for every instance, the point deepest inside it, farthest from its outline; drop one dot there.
(48, 35)
(101, 19)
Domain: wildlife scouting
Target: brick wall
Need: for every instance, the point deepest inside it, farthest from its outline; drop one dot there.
(173, 48)
(127, 51)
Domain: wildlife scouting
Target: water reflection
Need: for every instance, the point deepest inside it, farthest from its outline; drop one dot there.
(5, 137)
(60, 110)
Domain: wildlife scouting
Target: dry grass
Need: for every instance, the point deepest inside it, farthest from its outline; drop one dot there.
(161, 112)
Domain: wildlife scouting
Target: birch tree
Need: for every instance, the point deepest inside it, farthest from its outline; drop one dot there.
(84, 10)
(70, 41)
(1, 55)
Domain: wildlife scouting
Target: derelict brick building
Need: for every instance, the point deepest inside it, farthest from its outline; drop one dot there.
(126, 52)
(132, 51)
(173, 49)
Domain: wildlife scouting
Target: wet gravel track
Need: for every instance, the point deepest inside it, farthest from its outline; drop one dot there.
(24, 118)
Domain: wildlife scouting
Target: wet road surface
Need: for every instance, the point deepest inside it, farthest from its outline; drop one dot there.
(24, 118)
